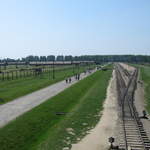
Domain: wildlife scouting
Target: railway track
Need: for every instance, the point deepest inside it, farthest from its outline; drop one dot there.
(132, 134)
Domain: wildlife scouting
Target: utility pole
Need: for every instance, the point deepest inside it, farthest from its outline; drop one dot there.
(53, 70)
(49, 69)
(78, 67)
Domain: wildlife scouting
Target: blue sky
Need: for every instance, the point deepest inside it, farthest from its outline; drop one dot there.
(76, 27)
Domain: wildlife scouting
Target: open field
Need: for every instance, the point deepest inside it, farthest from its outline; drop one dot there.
(12, 89)
(45, 68)
(30, 71)
(19, 106)
(41, 128)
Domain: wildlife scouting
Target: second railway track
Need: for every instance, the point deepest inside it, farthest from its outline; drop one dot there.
(132, 134)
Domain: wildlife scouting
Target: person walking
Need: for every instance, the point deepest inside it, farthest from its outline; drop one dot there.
(69, 80)
(78, 76)
(66, 80)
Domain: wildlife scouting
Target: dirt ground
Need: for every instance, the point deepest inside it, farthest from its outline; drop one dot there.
(97, 139)
(127, 67)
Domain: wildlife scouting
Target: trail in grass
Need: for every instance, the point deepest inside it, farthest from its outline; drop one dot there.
(15, 108)
(41, 128)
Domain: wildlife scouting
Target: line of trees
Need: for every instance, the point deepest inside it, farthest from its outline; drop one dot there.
(96, 58)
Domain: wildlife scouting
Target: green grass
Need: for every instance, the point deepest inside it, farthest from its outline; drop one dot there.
(12, 89)
(145, 76)
(42, 129)
(58, 67)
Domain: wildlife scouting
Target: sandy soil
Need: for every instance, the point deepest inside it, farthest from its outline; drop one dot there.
(127, 67)
(140, 105)
(98, 137)
(15, 108)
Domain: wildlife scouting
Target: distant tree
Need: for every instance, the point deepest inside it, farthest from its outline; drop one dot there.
(60, 58)
(50, 58)
(96, 58)
(68, 58)
(30, 58)
(36, 58)
(76, 58)
(43, 58)
(9, 60)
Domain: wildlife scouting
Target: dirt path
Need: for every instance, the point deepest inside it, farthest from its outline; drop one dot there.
(98, 137)
(15, 108)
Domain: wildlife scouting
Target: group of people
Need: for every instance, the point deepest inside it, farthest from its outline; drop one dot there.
(68, 80)
(77, 77)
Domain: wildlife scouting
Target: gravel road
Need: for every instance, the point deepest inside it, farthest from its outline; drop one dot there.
(17, 107)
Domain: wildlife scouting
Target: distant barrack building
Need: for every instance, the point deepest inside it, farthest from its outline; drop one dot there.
(47, 63)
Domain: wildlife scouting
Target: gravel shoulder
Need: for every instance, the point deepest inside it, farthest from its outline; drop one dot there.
(17, 107)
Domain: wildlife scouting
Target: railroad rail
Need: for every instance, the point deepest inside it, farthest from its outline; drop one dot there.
(133, 135)
(125, 71)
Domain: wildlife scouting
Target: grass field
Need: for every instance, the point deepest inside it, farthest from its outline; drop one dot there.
(145, 76)
(57, 67)
(12, 89)
(42, 129)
